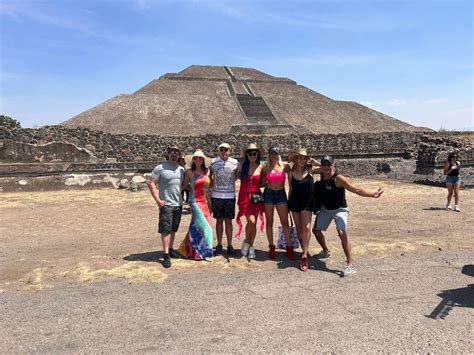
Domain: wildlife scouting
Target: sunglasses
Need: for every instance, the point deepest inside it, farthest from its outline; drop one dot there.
(252, 154)
(223, 149)
(197, 158)
(273, 153)
(326, 164)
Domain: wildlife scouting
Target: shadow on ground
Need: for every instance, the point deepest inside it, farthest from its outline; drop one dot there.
(459, 297)
(151, 256)
(434, 209)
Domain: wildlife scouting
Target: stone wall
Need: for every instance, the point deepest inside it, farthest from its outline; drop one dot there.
(403, 155)
(126, 148)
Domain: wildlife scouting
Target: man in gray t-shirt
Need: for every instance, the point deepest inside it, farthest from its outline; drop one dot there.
(165, 187)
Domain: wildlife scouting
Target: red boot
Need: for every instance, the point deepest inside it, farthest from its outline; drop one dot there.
(290, 254)
(304, 264)
(272, 252)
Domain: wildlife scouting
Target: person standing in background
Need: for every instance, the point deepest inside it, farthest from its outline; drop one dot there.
(453, 180)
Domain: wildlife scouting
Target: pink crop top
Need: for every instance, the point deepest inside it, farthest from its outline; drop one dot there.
(276, 177)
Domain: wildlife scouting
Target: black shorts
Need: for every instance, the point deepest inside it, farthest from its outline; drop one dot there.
(170, 217)
(223, 208)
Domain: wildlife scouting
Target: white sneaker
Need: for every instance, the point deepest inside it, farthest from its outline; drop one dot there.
(449, 208)
(252, 253)
(245, 248)
(348, 270)
(457, 209)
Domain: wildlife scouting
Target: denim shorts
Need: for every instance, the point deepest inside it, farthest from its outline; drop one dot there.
(272, 197)
(453, 180)
(325, 217)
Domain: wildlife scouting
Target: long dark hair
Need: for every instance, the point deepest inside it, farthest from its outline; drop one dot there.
(244, 173)
(451, 156)
(203, 165)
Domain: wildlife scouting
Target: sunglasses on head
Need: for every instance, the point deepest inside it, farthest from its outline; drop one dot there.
(223, 149)
(253, 153)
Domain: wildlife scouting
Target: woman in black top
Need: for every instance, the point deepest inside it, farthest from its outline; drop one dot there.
(300, 201)
(330, 205)
(453, 180)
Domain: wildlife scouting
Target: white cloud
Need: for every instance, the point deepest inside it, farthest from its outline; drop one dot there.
(435, 101)
(367, 103)
(397, 102)
(40, 12)
(335, 60)
(249, 12)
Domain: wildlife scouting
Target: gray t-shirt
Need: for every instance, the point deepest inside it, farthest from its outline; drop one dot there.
(223, 175)
(169, 177)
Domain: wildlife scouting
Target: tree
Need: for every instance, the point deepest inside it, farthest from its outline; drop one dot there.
(9, 122)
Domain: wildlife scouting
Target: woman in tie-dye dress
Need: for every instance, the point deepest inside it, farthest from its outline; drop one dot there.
(199, 240)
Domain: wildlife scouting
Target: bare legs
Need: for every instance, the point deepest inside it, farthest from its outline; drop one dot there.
(450, 193)
(251, 229)
(303, 225)
(456, 193)
(282, 210)
(220, 230)
(167, 240)
(346, 244)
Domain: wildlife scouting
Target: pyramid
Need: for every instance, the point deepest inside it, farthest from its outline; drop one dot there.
(230, 100)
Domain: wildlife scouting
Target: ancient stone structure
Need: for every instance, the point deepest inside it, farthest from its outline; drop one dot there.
(231, 100)
(202, 106)
(84, 158)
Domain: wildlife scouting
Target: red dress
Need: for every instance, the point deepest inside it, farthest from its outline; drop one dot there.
(246, 207)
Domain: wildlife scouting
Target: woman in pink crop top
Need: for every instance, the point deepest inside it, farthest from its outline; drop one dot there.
(274, 197)
(251, 179)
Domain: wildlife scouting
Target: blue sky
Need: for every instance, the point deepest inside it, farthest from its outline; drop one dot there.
(412, 60)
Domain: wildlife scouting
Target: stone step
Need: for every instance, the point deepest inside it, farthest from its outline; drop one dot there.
(256, 109)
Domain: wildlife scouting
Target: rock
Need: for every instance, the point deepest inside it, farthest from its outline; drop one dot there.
(138, 179)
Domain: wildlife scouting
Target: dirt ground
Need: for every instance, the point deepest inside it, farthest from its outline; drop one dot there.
(80, 272)
(69, 237)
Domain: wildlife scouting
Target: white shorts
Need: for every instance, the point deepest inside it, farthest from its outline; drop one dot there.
(325, 217)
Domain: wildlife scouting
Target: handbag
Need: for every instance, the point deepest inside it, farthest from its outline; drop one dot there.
(256, 198)
(281, 244)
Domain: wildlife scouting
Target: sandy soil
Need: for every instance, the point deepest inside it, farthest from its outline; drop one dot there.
(51, 239)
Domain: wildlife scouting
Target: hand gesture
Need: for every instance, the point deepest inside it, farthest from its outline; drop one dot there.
(378, 193)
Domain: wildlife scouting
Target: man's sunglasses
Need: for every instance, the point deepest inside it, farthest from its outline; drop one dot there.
(252, 154)
(326, 164)
(223, 149)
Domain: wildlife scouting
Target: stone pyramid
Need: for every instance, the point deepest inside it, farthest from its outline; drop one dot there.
(231, 100)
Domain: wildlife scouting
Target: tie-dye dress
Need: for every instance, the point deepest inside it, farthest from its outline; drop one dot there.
(199, 240)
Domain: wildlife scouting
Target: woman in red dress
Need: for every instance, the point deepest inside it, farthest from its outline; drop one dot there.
(250, 206)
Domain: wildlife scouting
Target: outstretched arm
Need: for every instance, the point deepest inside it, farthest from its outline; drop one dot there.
(342, 181)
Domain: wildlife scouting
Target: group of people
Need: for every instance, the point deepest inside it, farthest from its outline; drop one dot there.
(212, 194)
